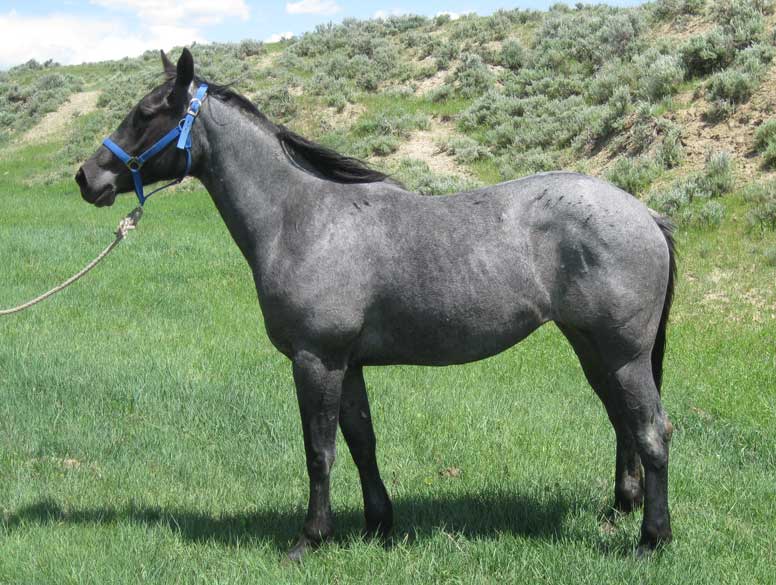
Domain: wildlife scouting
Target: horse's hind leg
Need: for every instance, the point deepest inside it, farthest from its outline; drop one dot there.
(356, 424)
(628, 476)
(637, 401)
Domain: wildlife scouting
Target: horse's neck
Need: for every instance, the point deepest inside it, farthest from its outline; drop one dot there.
(242, 166)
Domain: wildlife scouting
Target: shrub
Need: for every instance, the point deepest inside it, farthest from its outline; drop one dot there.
(733, 86)
(610, 78)
(417, 176)
(762, 197)
(710, 215)
(277, 103)
(445, 54)
(512, 55)
(665, 9)
(770, 255)
(377, 145)
(765, 134)
(465, 150)
(742, 20)
(532, 161)
(736, 84)
(395, 123)
(473, 76)
(660, 74)
(707, 53)
(249, 48)
(670, 153)
(633, 175)
(672, 202)
(769, 155)
(717, 178)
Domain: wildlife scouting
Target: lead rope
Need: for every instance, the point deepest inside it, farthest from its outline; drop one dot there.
(125, 225)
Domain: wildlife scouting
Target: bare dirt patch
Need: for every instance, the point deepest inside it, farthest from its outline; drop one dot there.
(55, 122)
(681, 29)
(734, 135)
(429, 84)
(423, 145)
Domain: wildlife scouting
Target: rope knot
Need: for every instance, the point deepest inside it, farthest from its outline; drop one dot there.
(129, 223)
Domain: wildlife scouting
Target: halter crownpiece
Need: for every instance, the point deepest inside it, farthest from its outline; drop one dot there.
(181, 133)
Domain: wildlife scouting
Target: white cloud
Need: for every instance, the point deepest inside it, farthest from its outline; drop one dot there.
(69, 39)
(277, 37)
(313, 7)
(198, 12)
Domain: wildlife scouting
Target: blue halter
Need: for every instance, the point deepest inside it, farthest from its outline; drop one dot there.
(181, 133)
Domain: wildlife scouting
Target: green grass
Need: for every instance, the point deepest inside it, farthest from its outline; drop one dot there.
(150, 431)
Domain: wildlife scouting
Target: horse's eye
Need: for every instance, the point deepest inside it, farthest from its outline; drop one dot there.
(145, 113)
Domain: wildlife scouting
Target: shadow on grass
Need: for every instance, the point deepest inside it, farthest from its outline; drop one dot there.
(471, 515)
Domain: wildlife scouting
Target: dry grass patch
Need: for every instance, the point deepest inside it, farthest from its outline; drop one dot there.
(54, 123)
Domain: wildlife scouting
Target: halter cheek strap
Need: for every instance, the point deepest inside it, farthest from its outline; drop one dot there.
(181, 133)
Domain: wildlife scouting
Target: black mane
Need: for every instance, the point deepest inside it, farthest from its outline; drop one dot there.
(314, 158)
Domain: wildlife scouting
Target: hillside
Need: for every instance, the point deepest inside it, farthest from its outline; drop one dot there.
(671, 101)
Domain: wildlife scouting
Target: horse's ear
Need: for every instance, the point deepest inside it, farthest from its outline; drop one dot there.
(184, 71)
(169, 68)
(184, 75)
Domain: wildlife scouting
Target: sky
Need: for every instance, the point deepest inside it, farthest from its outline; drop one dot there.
(77, 31)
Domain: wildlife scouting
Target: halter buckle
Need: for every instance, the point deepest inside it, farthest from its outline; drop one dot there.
(134, 164)
(194, 106)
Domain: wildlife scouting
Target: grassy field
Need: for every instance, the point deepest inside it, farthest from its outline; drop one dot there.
(150, 431)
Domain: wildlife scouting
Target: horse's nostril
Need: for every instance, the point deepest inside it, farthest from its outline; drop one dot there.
(80, 177)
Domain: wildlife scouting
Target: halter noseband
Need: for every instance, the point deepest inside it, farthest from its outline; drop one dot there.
(181, 133)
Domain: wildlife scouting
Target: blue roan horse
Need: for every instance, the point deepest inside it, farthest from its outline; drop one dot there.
(352, 270)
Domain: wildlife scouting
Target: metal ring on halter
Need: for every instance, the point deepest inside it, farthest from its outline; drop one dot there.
(194, 109)
(134, 164)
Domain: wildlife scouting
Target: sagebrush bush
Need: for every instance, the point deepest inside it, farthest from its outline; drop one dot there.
(513, 55)
(633, 175)
(472, 76)
(660, 74)
(717, 178)
(769, 254)
(250, 48)
(710, 215)
(520, 164)
(394, 123)
(465, 150)
(665, 9)
(417, 176)
(762, 199)
(277, 103)
(765, 134)
(673, 201)
(707, 53)
(611, 77)
(742, 20)
(670, 153)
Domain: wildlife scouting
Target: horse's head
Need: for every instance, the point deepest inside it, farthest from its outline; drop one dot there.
(103, 176)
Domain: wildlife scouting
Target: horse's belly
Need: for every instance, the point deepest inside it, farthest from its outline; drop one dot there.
(429, 337)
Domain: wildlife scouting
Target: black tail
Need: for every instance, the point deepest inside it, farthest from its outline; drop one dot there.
(659, 349)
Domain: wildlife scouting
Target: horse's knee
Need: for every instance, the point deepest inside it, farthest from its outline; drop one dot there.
(653, 440)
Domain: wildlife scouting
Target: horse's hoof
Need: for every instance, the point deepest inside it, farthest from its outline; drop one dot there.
(652, 541)
(301, 548)
(644, 552)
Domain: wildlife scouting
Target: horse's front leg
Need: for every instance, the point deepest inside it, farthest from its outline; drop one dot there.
(318, 389)
(356, 425)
